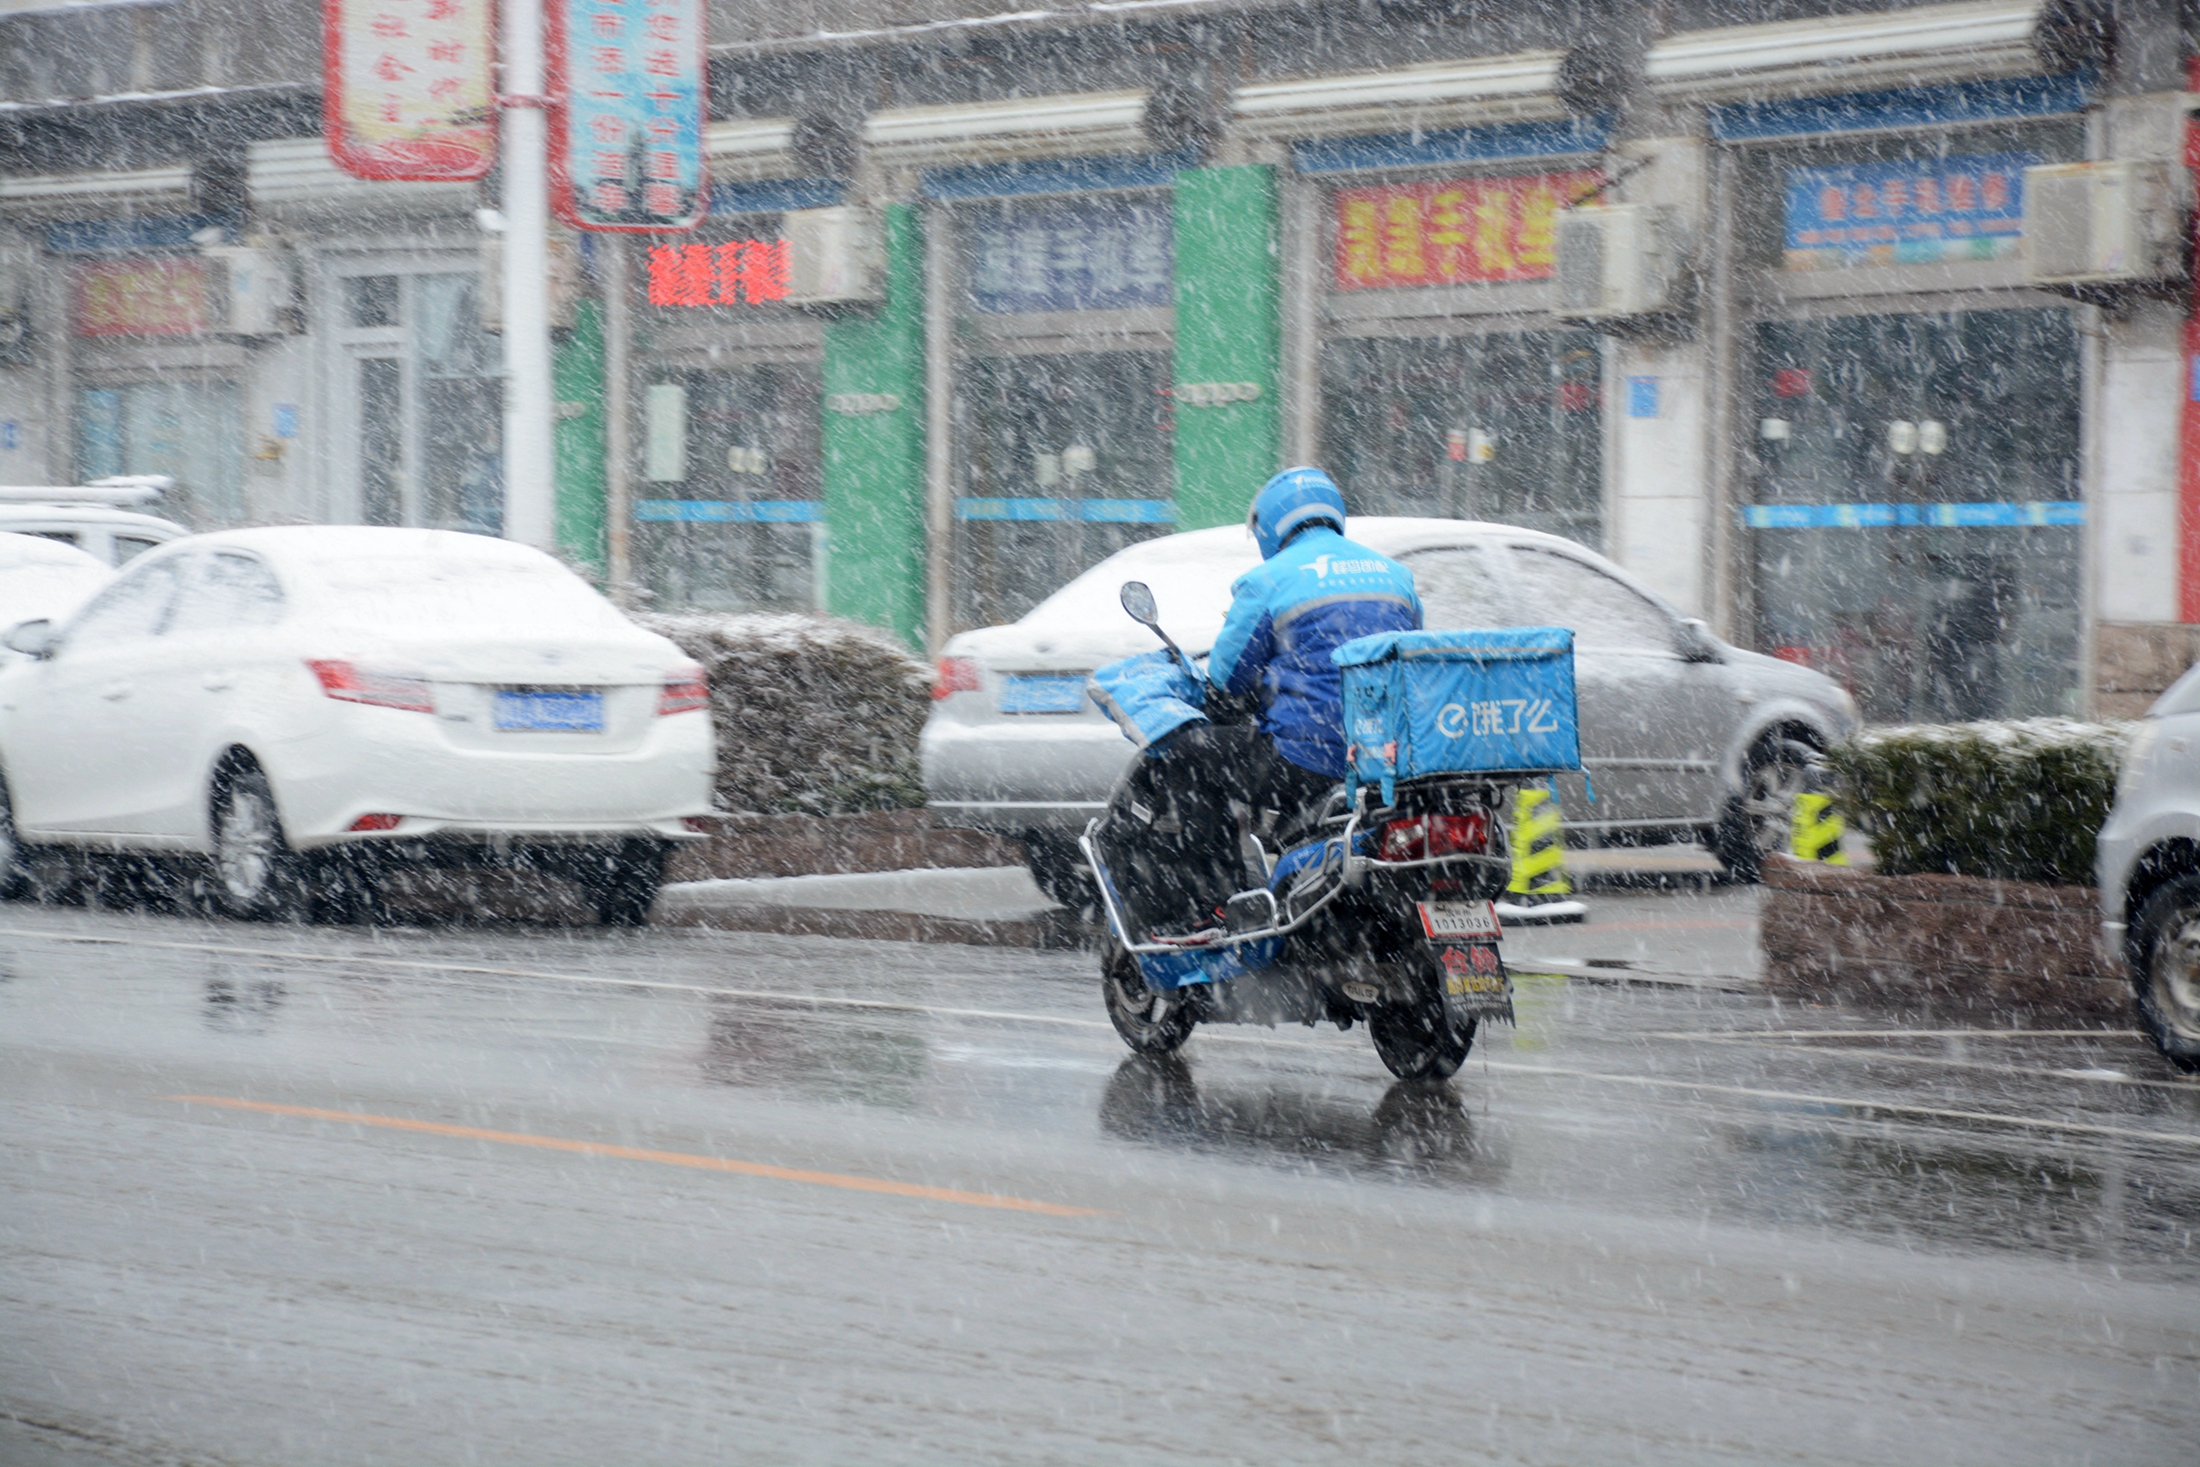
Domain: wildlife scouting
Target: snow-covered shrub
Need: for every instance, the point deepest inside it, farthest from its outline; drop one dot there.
(813, 714)
(2020, 800)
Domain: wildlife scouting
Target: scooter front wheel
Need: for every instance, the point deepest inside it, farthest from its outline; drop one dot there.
(1418, 1041)
(1150, 1021)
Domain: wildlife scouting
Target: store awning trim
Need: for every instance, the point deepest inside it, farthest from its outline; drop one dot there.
(1458, 145)
(1843, 53)
(730, 511)
(1081, 511)
(300, 171)
(1978, 515)
(776, 196)
(1058, 176)
(1067, 125)
(43, 192)
(1957, 102)
(1518, 87)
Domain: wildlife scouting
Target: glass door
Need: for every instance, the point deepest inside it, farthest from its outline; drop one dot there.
(1917, 521)
(1068, 460)
(425, 402)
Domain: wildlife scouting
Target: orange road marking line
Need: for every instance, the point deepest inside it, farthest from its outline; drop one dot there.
(666, 1158)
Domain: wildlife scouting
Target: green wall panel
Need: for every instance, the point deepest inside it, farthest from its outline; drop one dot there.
(1228, 324)
(577, 443)
(874, 461)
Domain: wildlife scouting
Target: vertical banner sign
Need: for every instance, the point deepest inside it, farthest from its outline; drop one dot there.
(1455, 231)
(406, 90)
(626, 141)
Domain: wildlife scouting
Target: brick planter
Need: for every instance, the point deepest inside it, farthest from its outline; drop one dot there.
(1982, 951)
(828, 845)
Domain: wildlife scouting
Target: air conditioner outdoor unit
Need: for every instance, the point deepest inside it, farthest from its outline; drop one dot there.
(834, 257)
(251, 290)
(1615, 262)
(2101, 224)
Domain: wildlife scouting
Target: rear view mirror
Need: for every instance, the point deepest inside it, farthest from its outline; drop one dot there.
(1694, 642)
(31, 638)
(1138, 601)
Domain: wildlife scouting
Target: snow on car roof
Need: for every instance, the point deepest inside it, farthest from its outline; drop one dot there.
(18, 551)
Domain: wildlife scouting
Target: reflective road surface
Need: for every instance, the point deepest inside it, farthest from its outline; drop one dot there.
(289, 1196)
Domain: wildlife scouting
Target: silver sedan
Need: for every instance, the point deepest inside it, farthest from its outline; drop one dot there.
(1683, 736)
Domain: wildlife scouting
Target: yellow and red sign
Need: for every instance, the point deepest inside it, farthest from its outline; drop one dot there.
(406, 88)
(1453, 231)
(160, 296)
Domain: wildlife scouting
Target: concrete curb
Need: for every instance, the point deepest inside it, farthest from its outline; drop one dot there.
(1045, 931)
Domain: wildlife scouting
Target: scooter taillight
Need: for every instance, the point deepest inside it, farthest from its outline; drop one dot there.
(1427, 837)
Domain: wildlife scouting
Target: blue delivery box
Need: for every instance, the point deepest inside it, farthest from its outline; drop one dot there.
(1473, 702)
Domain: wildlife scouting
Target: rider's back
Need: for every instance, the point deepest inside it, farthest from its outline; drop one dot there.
(1318, 592)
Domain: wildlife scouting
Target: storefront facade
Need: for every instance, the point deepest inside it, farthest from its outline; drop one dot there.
(1117, 293)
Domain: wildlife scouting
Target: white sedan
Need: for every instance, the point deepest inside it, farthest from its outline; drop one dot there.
(308, 706)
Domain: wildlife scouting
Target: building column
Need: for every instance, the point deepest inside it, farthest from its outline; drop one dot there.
(577, 451)
(874, 446)
(1229, 418)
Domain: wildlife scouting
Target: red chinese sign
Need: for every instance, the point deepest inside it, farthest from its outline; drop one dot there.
(150, 297)
(1453, 231)
(406, 89)
(626, 140)
(741, 271)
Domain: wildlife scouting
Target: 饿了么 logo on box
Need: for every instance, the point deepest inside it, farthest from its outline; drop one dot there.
(1482, 719)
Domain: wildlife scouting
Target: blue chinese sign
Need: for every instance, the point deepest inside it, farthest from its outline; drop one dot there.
(1919, 211)
(626, 139)
(1076, 255)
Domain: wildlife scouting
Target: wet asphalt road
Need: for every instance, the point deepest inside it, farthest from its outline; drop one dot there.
(278, 1195)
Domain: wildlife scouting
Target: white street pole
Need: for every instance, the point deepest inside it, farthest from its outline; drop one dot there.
(529, 483)
(618, 352)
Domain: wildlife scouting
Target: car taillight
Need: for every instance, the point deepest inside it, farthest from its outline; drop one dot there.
(1426, 837)
(684, 691)
(957, 675)
(348, 682)
(376, 822)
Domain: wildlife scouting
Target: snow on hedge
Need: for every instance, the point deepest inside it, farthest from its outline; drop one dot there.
(813, 714)
(2016, 799)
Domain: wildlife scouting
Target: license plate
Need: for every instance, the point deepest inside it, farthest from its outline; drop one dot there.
(1043, 695)
(540, 710)
(1459, 920)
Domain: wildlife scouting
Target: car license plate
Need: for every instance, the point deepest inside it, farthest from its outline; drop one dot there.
(548, 710)
(1043, 694)
(1459, 920)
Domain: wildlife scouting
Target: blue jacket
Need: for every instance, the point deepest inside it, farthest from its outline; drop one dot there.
(1319, 592)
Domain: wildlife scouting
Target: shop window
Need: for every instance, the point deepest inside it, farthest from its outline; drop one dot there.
(730, 507)
(1915, 512)
(189, 431)
(1066, 461)
(1505, 426)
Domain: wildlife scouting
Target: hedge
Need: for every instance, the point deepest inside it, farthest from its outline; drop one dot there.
(2017, 801)
(814, 715)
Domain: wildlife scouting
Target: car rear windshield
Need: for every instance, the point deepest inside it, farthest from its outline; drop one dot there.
(1193, 592)
(462, 594)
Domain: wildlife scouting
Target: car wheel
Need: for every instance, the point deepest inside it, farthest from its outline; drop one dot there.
(1058, 867)
(1417, 1041)
(1150, 1021)
(256, 874)
(2167, 973)
(14, 875)
(1759, 822)
(623, 885)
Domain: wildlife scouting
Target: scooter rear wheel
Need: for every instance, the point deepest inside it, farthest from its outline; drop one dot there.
(1150, 1021)
(1418, 1041)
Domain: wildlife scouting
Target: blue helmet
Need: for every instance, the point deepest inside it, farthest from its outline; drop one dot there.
(1290, 502)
